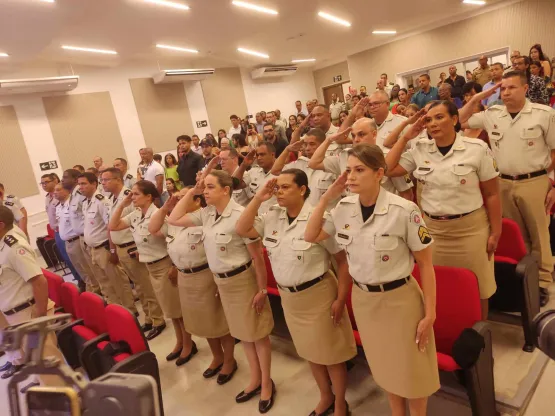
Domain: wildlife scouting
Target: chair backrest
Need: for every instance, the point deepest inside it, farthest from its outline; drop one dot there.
(70, 299)
(511, 244)
(50, 231)
(54, 286)
(269, 273)
(92, 311)
(123, 326)
(457, 304)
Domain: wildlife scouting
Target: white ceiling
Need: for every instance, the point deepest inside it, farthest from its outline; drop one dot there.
(32, 31)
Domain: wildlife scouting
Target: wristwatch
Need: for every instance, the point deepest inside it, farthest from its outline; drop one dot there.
(264, 291)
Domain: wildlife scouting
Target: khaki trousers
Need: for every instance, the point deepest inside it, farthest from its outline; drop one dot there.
(114, 283)
(138, 273)
(524, 202)
(78, 258)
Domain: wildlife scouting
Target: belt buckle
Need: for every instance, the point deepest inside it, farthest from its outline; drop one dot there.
(515, 177)
(382, 289)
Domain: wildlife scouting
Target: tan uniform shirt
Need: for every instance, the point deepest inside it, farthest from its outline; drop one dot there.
(185, 246)
(380, 249)
(76, 217)
(334, 148)
(63, 217)
(520, 145)
(13, 203)
(50, 204)
(18, 265)
(294, 260)
(391, 122)
(225, 250)
(129, 181)
(150, 247)
(451, 183)
(123, 236)
(97, 212)
(482, 76)
(256, 179)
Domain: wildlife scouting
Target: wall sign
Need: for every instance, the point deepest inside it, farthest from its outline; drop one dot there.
(337, 78)
(48, 165)
(202, 123)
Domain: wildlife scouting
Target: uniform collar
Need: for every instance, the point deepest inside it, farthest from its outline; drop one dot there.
(231, 205)
(303, 214)
(458, 144)
(380, 208)
(526, 109)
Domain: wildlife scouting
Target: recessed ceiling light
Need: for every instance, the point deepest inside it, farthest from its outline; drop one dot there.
(296, 61)
(253, 7)
(475, 2)
(384, 32)
(175, 48)
(3, 55)
(169, 4)
(254, 53)
(334, 19)
(49, 1)
(76, 48)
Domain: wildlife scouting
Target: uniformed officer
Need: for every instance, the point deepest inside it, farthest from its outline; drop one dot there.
(383, 234)
(460, 193)
(71, 224)
(23, 289)
(128, 179)
(241, 285)
(318, 180)
(309, 291)
(114, 283)
(13, 203)
(123, 253)
(203, 314)
(522, 137)
(153, 253)
(257, 177)
(229, 160)
(364, 130)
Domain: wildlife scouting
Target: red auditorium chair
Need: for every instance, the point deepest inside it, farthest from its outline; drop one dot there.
(54, 286)
(349, 306)
(280, 326)
(69, 299)
(458, 308)
(517, 278)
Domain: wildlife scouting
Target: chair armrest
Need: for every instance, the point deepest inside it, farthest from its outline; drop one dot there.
(59, 310)
(97, 340)
(528, 270)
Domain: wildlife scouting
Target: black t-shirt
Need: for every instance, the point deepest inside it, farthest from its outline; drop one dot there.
(290, 219)
(188, 167)
(367, 211)
(513, 115)
(445, 149)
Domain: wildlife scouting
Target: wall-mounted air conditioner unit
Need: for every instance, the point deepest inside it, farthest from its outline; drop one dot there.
(273, 72)
(36, 85)
(182, 75)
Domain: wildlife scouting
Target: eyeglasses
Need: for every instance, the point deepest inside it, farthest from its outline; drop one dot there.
(44, 183)
(106, 179)
(376, 103)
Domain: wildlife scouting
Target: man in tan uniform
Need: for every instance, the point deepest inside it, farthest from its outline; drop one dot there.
(482, 74)
(522, 136)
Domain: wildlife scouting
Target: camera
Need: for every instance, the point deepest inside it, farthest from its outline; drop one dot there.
(544, 325)
(114, 394)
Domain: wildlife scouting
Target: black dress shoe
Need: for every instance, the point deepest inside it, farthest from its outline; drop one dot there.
(184, 360)
(11, 371)
(155, 331)
(173, 355)
(544, 296)
(211, 372)
(146, 327)
(327, 412)
(245, 397)
(224, 378)
(264, 406)
(6, 366)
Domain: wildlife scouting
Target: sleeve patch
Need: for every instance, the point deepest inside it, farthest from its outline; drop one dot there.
(424, 235)
(100, 197)
(415, 217)
(129, 176)
(407, 178)
(126, 192)
(10, 240)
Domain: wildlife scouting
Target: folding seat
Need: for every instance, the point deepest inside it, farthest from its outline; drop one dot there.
(457, 308)
(69, 299)
(69, 303)
(54, 286)
(517, 278)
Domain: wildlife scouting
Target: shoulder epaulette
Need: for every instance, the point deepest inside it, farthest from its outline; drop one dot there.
(100, 197)
(10, 240)
(129, 176)
(126, 192)
(10, 196)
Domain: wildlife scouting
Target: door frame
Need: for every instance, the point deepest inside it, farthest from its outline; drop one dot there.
(333, 85)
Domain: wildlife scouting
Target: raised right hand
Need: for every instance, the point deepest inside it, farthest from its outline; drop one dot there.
(267, 191)
(337, 188)
(415, 129)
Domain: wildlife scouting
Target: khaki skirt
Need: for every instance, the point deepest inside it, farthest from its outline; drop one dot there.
(166, 293)
(308, 317)
(237, 293)
(203, 314)
(463, 243)
(387, 323)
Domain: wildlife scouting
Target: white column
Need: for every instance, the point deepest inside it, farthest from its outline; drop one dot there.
(197, 107)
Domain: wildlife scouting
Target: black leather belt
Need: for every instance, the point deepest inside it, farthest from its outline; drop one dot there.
(386, 287)
(71, 240)
(302, 286)
(235, 272)
(194, 269)
(524, 175)
(126, 244)
(20, 308)
(105, 244)
(447, 217)
(156, 261)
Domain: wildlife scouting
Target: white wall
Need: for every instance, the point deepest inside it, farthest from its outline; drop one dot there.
(278, 93)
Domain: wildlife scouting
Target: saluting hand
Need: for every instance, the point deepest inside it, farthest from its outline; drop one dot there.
(423, 331)
(295, 147)
(337, 308)
(486, 94)
(199, 187)
(340, 135)
(248, 160)
(415, 129)
(267, 191)
(337, 188)
(416, 116)
(127, 200)
(172, 201)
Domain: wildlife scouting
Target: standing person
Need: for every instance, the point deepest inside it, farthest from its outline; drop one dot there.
(253, 136)
(445, 95)
(536, 54)
(442, 78)
(292, 127)
(189, 162)
(426, 94)
(124, 254)
(522, 136)
(299, 108)
(259, 125)
(170, 171)
(222, 134)
(383, 234)
(207, 153)
(335, 108)
(403, 100)
(456, 81)
(270, 136)
(536, 92)
(171, 188)
(394, 96)
(151, 170)
(309, 291)
(13, 203)
(229, 160)
(320, 118)
(460, 193)
(482, 74)
(196, 144)
(240, 144)
(201, 307)
(497, 77)
(153, 253)
(241, 285)
(128, 179)
(279, 130)
(235, 125)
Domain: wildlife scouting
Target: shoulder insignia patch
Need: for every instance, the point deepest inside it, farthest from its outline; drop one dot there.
(10, 240)
(424, 235)
(100, 197)
(407, 179)
(126, 192)
(8, 203)
(10, 196)
(79, 192)
(129, 176)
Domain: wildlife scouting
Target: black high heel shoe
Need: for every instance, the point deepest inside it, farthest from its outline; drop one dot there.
(326, 412)
(211, 372)
(264, 406)
(224, 378)
(245, 397)
(184, 360)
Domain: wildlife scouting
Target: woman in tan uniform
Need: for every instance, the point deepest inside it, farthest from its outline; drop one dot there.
(240, 274)
(152, 251)
(202, 310)
(457, 176)
(382, 234)
(309, 291)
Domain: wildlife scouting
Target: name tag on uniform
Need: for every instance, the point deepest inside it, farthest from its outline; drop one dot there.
(345, 236)
(495, 133)
(271, 240)
(425, 169)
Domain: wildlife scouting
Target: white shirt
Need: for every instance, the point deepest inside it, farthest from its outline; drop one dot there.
(197, 150)
(50, 206)
(97, 212)
(335, 109)
(123, 236)
(185, 247)
(391, 122)
(255, 179)
(152, 170)
(150, 248)
(13, 203)
(63, 217)
(76, 216)
(233, 130)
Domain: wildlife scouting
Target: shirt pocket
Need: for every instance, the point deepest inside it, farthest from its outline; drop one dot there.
(423, 174)
(301, 251)
(324, 184)
(194, 238)
(531, 137)
(495, 138)
(143, 234)
(91, 215)
(464, 175)
(385, 246)
(223, 242)
(344, 239)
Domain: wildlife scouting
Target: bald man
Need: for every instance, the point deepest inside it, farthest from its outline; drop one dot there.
(99, 163)
(151, 170)
(482, 74)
